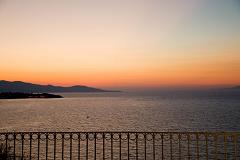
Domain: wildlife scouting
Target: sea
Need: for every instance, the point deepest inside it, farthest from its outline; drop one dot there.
(208, 110)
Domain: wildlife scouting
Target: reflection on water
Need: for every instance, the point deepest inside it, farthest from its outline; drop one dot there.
(123, 112)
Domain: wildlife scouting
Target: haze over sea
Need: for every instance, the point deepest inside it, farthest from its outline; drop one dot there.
(125, 111)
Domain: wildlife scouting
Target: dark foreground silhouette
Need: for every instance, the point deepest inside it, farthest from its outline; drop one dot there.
(119, 145)
(10, 95)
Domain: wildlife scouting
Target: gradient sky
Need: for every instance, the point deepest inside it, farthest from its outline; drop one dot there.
(121, 43)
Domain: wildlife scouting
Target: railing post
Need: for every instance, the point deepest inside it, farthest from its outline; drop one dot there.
(103, 136)
(46, 146)
(39, 136)
(179, 146)
(70, 146)
(120, 146)
(14, 146)
(153, 146)
(22, 145)
(171, 156)
(225, 146)
(30, 134)
(62, 146)
(79, 145)
(95, 146)
(235, 139)
(206, 138)
(145, 147)
(54, 150)
(162, 136)
(86, 146)
(128, 138)
(188, 146)
(216, 146)
(136, 146)
(197, 139)
(111, 146)
(6, 145)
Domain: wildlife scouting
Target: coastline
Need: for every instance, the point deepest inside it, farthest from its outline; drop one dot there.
(20, 95)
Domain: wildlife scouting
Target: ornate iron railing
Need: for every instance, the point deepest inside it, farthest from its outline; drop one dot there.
(120, 145)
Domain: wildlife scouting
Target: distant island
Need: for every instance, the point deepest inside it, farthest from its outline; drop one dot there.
(17, 95)
(236, 88)
(23, 87)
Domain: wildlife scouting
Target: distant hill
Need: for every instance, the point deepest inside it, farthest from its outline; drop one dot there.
(18, 86)
(236, 87)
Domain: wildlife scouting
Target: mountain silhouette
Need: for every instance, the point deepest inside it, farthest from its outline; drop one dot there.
(236, 87)
(18, 86)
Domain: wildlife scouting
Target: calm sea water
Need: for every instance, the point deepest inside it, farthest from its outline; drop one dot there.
(126, 111)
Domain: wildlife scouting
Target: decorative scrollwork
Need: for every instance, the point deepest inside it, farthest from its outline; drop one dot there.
(138, 143)
(58, 136)
(43, 137)
(26, 136)
(75, 136)
(83, 136)
(166, 137)
(99, 136)
(124, 136)
(2, 137)
(51, 136)
(10, 137)
(67, 136)
(158, 136)
(116, 136)
(108, 136)
(192, 136)
(149, 137)
(34, 136)
(183, 137)
(201, 136)
(132, 136)
(91, 136)
(18, 136)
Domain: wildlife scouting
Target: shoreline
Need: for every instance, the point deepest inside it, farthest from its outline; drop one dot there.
(20, 95)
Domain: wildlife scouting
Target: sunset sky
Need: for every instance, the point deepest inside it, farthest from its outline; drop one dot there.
(121, 43)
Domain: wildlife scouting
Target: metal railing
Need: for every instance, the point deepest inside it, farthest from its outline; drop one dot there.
(120, 145)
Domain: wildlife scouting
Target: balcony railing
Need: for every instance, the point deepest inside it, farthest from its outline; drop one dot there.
(120, 145)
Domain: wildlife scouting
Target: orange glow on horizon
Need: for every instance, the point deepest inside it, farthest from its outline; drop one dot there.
(197, 73)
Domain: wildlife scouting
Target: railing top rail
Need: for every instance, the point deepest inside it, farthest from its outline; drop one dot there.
(118, 132)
